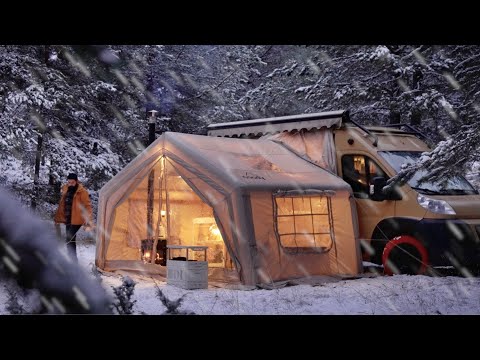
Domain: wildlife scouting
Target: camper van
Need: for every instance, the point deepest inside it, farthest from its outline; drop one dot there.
(416, 228)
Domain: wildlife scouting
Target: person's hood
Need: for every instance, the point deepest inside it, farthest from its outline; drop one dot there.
(79, 189)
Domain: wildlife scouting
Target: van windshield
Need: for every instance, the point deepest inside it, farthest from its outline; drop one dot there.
(454, 185)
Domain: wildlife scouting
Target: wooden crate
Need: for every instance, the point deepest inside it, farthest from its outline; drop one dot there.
(187, 274)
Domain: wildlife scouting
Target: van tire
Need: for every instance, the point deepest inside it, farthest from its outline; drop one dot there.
(404, 255)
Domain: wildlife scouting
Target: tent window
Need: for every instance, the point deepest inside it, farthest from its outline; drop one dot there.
(304, 223)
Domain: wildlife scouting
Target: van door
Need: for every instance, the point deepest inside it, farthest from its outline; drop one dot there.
(358, 170)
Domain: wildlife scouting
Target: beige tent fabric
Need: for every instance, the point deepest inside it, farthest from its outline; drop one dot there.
(314, 145)
(114, 192)
(276, 265)
(229, 184)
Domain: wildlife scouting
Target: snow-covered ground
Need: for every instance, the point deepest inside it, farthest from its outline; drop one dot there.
(401, 294)
(380, 295)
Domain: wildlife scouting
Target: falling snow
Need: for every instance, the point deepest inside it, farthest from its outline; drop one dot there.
(87, 104)
(376, 295)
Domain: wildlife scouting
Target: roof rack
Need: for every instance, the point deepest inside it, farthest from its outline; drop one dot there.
(258, 127)
(347, 119)
(412, 129)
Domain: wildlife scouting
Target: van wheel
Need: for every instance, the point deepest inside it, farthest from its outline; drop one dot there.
(404, 255)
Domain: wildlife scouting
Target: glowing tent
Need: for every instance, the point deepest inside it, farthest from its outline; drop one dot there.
(265, 214)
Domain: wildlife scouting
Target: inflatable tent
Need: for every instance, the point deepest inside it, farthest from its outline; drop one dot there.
(266, 214)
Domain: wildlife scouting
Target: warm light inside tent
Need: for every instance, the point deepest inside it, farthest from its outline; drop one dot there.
(206, 233)
(178, 217)
(146, 256)
(304, 222)
(214, 230)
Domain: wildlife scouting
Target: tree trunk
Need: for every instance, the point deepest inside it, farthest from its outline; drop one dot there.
(415, 117)
(95, 148)
(46, 54)
(417, 76)
(394, 117)
(38, 157)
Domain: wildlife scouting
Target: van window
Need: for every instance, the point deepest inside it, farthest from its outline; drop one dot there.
(449, 185)
(303, 223)
(358, 171)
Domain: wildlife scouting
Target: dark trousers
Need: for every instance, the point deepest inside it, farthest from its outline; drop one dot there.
(71, 239)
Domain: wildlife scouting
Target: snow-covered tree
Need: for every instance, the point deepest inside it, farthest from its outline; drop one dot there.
(87, 104)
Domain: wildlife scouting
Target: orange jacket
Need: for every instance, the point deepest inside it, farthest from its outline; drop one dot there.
(81, 207)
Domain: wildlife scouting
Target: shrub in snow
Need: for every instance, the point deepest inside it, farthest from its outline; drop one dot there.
(23, 301)
(123, 302)
(14, 305)
(32, 257)
(172, 305)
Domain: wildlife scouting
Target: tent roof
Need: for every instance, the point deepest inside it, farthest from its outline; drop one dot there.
(234, 163)
(253, 164)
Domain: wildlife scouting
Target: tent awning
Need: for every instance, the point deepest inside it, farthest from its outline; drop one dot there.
(274, 125)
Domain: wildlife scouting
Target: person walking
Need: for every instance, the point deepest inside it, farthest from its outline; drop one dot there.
(74, 210)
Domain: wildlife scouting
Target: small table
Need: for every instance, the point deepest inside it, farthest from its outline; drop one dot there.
(187, 248)
(187, 273)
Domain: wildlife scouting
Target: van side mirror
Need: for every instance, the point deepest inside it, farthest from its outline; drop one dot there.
(377, 194)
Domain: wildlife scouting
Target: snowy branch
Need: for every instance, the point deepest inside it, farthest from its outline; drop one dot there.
(32, 256)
